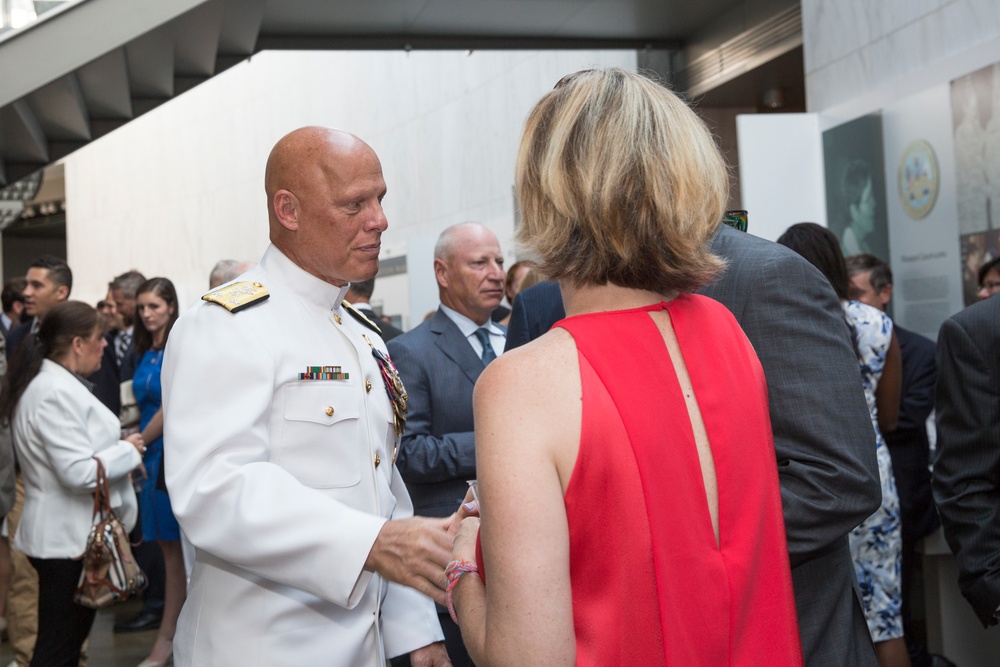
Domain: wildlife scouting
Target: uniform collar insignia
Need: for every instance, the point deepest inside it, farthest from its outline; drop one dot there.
(360, 317)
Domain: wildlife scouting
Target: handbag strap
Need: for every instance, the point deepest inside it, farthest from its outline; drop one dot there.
(102, 494)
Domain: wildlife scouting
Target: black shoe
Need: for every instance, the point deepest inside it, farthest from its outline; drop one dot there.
(144, 620)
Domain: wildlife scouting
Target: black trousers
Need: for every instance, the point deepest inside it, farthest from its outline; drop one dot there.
(63, 625)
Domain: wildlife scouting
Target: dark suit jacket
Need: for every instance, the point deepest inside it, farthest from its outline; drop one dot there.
(823, 436)
(388, 331)
(967, 469)
(437, 454)
(540, 307)
(908, 444)
(108, 378)
(16, 336)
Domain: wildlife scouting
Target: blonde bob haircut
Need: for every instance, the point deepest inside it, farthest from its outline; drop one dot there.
(620, 182)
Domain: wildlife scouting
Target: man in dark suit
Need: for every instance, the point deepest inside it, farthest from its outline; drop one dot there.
(47, 282)
(909, 446)
(439, 362)
(118, 362)
(966, 478)
(823, 436)
(13, 304)
(359, 295)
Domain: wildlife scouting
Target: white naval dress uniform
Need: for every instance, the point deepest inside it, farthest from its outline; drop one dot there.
(282, 484)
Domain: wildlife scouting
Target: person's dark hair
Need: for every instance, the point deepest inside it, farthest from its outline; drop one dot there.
(819, 247)
(364, 288)
(59, 271)
(128, 283)
(13, 291)
(880, 275)
(508, 283)
(64, 322)
(142, 340)
(985, 268)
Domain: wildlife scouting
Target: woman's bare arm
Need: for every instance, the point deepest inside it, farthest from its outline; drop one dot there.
(528, 411)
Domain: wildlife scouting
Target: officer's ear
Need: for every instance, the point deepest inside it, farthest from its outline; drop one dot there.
(286, 209)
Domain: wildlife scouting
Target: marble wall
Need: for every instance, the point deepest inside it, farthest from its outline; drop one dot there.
(862, 54)
(181, 187)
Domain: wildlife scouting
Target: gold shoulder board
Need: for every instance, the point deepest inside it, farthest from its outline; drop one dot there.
(360, 317)
(237, 296)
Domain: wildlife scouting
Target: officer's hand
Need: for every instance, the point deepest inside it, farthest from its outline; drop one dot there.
(432, 655)
(413, 552)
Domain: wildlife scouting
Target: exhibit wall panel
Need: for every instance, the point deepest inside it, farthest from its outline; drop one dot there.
(921, 207)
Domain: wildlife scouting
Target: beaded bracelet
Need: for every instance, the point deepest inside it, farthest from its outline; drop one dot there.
(454, 572)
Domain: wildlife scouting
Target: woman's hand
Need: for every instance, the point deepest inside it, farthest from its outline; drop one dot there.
(469, 507)
(464, 546)
(137, 442)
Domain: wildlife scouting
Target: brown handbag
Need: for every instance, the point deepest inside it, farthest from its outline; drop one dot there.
(110, 573)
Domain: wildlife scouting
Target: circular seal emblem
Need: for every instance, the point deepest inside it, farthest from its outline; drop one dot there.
(919, 179)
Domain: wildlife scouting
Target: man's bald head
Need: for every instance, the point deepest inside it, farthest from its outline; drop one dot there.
(324, 191)
(302, 155)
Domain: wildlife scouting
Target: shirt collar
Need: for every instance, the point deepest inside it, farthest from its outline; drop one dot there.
(467, 326)
(303, 284)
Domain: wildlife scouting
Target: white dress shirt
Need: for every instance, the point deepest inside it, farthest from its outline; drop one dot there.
(498, 337)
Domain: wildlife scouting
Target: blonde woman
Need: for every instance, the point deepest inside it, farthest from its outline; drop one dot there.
(630, 504)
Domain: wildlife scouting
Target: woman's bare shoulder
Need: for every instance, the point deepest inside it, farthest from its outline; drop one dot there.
(551, 353)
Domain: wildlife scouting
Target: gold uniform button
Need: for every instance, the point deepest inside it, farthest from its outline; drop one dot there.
(377, 460)
(336, 318)
(368, 386)
(329, 411)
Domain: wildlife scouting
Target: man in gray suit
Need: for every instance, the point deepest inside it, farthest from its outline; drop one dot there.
(966, 479)
(823, 436)
(439, 362)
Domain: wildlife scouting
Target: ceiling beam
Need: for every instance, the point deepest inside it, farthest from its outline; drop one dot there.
(107, 24)
(336, 42)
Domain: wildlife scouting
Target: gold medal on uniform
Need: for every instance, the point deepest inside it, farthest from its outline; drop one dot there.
(394, 388)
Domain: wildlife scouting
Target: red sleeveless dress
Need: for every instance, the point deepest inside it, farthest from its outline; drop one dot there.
(650, 585)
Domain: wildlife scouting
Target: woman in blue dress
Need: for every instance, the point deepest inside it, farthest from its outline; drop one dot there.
(156, 311)
(876, 545)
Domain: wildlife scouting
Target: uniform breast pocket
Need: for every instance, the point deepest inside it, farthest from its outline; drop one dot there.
(320, 442)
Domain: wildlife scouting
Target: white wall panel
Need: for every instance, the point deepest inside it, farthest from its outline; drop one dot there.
(781, 171)
(182, 186)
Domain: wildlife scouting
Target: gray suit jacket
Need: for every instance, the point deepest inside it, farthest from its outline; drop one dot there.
(437, 454)
(823, 438)
(966, 478)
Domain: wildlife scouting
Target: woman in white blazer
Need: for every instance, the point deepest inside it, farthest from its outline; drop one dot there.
(59, 428)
